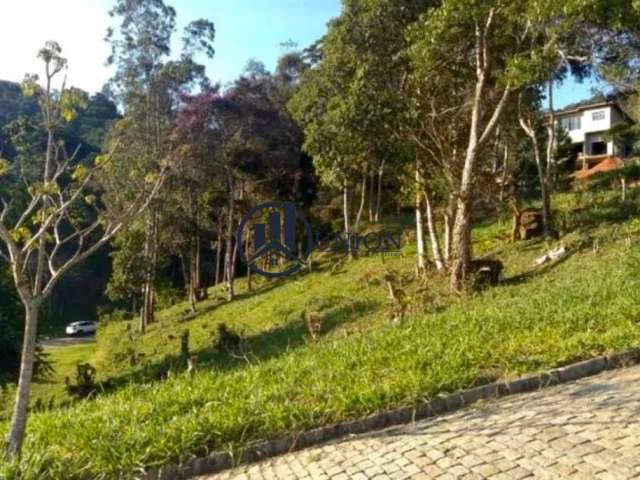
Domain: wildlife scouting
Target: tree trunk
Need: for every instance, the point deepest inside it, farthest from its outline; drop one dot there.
(356, 226)
(372, 189)
(16, 433)
(421, 260)
(347, 220)
(551, 145)
(248, 254)
(185, 273)
(230, 247)
(18, 426)
(447, 238)
(187, 276)
(543, 177)
(150, 247)
(218, 257)
(461, 248)
(378, 215)
(449, 217)
(193, 295)
(544, 187)
(232, 272)
(194, 271)
(433, 235)
(201, 292)
(505, 168)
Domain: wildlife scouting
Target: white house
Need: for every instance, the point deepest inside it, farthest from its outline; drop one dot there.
(587, 126)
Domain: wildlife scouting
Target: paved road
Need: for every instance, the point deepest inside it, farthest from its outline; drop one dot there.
(588, 429)
(66, 341)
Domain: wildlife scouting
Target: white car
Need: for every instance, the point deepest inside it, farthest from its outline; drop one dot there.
(79, 328)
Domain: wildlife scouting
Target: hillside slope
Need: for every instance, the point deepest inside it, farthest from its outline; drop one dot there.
(278, 380)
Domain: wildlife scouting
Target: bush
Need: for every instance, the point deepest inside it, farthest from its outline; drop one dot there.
(85, 385)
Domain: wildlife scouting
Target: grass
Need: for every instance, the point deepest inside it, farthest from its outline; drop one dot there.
(51, 391)
(283, 382)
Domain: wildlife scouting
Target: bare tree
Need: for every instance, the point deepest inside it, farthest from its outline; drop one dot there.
(530, 128)
(44, 239)
(479, 134)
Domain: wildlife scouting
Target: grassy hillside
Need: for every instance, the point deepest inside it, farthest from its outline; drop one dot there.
(278, 380)
(51, 391)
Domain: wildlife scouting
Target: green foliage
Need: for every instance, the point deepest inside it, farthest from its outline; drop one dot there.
(624, 135)
(349, 104)
(127, 265)
(372, 91)
(72, 101)
(30, 87)
(283, 383)
(43, 368)
(5, 166)
(85, 381)
(11, 317)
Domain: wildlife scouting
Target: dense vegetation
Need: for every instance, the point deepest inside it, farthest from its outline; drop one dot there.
(442, 111)
(19, 117)
(279, 380)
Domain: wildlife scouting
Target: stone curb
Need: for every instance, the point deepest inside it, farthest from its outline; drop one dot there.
(259, 451)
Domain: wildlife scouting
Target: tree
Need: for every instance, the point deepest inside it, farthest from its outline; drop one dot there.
(46, 238)
(490, 61)
(149, 85)
(246, 146)
(211, 125)
(434, 126)
(22, 139)
(349, 102)
(321, 106)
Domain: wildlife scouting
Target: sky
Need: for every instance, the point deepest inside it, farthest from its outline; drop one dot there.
(245, 29)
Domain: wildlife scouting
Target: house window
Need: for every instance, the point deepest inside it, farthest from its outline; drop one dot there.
(571, 123)
(597, 115)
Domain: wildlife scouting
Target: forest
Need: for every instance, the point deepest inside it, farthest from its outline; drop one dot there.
(121, 204)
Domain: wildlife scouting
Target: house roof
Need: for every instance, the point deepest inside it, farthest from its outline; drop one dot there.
(573, 109)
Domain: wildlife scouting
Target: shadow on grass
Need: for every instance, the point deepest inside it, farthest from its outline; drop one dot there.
(537, 271)
(607, 212)
(212, 305)
(254, 348)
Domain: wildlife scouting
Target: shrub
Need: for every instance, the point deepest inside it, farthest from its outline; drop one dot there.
(85, 385)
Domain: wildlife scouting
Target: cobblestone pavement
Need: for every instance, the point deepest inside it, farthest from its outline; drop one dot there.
(586, 429)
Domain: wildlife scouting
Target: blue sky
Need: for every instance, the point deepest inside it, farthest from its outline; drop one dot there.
(245, 29)
(248, 29)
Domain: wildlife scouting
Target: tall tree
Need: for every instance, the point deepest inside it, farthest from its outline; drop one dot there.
(488, 59)
(46, 238)
(349, 103)
(148, 85)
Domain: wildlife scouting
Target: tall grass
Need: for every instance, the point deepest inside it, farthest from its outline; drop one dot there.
(582, 307)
